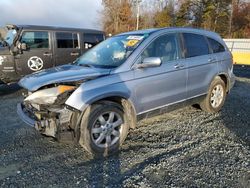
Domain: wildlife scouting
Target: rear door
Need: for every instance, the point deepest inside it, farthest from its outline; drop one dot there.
(202, 65)
(67, 47)
(38, 55)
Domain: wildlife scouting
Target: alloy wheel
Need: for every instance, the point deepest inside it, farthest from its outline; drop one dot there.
(106, 129)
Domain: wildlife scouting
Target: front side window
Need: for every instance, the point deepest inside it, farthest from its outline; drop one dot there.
(67, 40)
(216, 46)
(36, 39)
(165, 47)
(92, 39)
(112, 52)
(196, 45)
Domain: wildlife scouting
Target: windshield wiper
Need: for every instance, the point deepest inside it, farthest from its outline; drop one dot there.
(84, 65)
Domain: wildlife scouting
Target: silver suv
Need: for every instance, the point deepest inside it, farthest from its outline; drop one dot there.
(96, 99)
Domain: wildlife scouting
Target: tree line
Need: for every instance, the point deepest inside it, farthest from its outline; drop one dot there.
(229, 18)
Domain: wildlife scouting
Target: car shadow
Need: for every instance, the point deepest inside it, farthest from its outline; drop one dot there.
(235, 113)
(105, 172)
(242, 71)
(9, 89)
(236, 118)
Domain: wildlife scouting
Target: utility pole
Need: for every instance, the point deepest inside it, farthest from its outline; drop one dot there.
(231, 19)
(137, 2)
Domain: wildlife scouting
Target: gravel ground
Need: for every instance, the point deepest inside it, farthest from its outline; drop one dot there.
(184, 148)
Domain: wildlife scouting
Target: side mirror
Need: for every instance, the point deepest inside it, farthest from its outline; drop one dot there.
(149, 62)
(24, 46)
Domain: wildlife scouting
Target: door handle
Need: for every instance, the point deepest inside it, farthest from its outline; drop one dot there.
(178, 66)
(47, 54)
(74, 53)
(211, 60)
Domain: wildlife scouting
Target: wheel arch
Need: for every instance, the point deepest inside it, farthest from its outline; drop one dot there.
(117, 97)
(126, 104)
(224, 77)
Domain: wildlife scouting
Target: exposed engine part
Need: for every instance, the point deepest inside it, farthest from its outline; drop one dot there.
(47, 127)
(47, 108)
(64, 119)
(56, 124)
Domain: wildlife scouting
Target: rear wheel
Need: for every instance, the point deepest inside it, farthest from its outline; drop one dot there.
(104, 127)
(216, 96)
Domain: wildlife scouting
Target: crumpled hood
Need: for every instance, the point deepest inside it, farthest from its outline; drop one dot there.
(65, 73)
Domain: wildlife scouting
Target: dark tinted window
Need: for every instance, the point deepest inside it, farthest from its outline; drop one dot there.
(164, 47)
(67, 40)
(36, 39)
(92, 39)
(196, 45)
(216, 46)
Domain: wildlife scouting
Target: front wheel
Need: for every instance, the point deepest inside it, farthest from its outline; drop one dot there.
(104, 127)
(216, 96)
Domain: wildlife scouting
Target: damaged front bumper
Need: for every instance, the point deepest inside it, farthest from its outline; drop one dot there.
(49, 123)
(23, 114)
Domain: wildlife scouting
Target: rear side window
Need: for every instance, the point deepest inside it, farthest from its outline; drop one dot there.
(216, 46)
(196, 45)
(36, 39)
(67, 40)
(92, 39)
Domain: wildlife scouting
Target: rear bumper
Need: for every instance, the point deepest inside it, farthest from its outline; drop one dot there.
(24, 116)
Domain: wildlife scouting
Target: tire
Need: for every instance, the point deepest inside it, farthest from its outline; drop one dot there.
(215, 97)
(100, 134)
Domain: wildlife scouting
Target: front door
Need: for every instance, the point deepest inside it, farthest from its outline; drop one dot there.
(67, 48)
(38, 55)
(164, 85)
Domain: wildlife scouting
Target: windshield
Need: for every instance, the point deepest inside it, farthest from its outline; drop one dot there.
(10, 36)
(112, 52)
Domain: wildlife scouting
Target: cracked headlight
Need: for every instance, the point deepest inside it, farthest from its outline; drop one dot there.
(48, 96)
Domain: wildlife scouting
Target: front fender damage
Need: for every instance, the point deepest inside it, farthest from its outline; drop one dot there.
(50, 119)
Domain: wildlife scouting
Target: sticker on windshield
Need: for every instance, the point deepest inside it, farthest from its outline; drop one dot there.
(131, 43)
(134, 37)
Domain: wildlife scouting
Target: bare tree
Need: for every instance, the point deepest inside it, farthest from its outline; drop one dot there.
(217, 15)
(117, 16)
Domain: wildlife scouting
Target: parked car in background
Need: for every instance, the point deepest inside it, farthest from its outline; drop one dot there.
(27, 49)
(126, 78)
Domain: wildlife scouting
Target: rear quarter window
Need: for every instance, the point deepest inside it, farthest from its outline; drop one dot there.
(216, 46)
(196, 45)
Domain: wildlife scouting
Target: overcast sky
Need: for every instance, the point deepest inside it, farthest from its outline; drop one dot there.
(68, 13)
